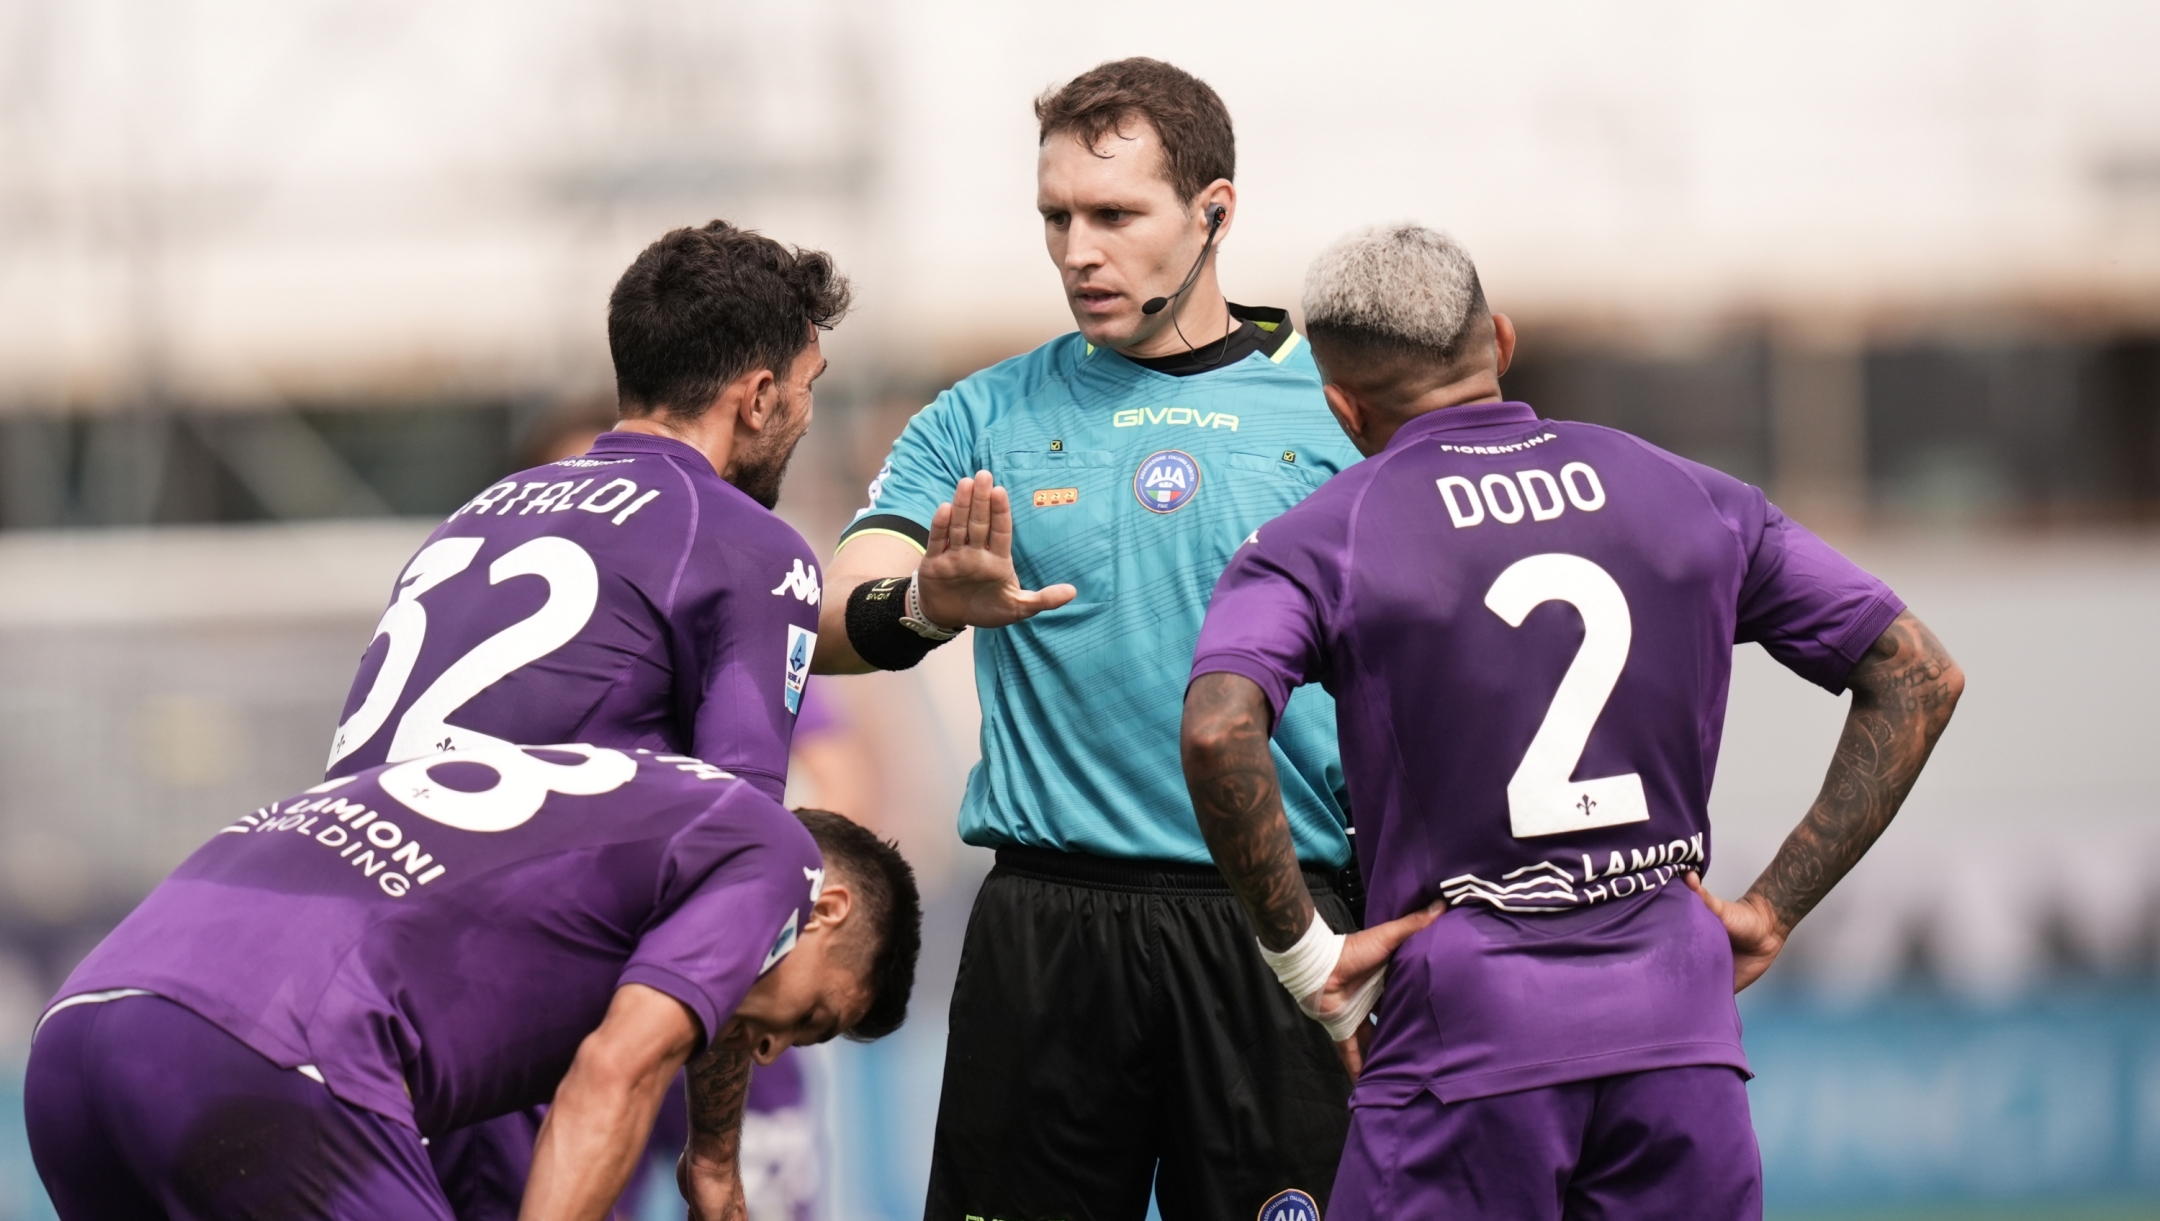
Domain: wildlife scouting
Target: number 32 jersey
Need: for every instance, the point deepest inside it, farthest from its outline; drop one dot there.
(627, 598)
(1527, 626)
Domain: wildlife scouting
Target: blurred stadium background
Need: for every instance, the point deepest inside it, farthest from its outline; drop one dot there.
(281, 283)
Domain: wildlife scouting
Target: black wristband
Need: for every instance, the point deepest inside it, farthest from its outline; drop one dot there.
(874, 627)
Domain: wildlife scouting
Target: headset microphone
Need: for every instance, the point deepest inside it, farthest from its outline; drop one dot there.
(1216, 215)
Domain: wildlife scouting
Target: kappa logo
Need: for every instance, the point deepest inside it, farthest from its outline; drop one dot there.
(801, 581)
(800, 645)
(1167, 481)
(1290, 1205)
(1050, 497)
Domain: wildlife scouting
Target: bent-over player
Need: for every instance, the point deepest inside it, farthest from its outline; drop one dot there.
(1528, 627)
(642, 594)
(403, 952)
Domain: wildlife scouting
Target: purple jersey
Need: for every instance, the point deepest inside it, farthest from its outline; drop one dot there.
(433, 938)
(628, 598)
(1528, 627)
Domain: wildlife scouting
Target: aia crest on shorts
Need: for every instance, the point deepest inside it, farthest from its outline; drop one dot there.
(1290, 1205)
(1167, 481)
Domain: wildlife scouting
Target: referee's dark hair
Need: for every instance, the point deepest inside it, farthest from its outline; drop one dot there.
(701, 307)
(884, 888)
(1193, 123)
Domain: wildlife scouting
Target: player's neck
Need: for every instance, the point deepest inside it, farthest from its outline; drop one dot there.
(1483, 387)
(1200, 317)
(710, 434)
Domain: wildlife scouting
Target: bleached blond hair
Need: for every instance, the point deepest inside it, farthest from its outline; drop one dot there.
(1400, 285)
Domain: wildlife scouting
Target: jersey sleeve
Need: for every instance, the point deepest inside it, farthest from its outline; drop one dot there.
(1808, 606)
(933, 454)
(735, 890)
(1814, 610)
(1270, 616)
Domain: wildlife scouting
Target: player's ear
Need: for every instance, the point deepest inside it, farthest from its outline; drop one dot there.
(1503, 331)
(835, 902)
(1347, 408)
(753, 398)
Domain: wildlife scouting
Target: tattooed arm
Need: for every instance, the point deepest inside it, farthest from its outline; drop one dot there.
(595, 1131)
(1904, 689)
(709, 1172)
(1238, 799)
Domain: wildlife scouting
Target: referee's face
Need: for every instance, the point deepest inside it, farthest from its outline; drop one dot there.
(1115, 230)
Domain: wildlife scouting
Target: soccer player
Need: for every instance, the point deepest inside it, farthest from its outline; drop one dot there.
(1112, 1027)
(642, 595)
(1528, 627)
(389, 956)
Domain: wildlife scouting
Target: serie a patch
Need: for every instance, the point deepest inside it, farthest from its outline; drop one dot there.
(1048, 497)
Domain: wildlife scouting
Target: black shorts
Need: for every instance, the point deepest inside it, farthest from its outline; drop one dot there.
(1114, 1028)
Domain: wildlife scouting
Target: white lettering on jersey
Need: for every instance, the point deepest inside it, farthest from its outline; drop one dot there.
(573, 592)
(560, 497)
(1134, 417)
(816, 878)
(1547, 887)
(802, 582)
(877, 484)
(1533, 493)
(1543, 798)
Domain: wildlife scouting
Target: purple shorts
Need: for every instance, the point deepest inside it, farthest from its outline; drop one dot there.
(1670, 1142)
(137, 1107)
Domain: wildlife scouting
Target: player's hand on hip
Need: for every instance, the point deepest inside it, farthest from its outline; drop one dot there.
(1365, 954)
(1754, 929)
(967, 578)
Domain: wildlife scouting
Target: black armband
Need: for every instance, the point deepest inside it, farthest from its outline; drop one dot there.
(874, 611)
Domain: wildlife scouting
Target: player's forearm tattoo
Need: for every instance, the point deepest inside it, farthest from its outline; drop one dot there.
(1903, 692)
(1238, 800)
(719, 1086)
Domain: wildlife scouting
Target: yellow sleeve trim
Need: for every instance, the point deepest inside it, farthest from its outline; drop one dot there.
(869, 530)
(1284, 350)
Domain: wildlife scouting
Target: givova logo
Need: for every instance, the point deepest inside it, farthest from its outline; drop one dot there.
(1167, 481)
(1290, 1205)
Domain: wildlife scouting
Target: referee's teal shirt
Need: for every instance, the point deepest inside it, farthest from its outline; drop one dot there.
(1136, 487)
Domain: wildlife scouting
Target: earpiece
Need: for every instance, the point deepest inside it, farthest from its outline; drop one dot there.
(1216, 215)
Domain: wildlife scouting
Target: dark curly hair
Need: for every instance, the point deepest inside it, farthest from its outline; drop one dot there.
(1190, 119)
(701, 307)
(887, 900)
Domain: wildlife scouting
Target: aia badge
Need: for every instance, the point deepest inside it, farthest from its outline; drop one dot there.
(800, 644)
(1291, 1205)
(1167, 481)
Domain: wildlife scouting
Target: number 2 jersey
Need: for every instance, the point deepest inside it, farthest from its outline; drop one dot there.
(629, 597)
(432, 939)
(1528, 628)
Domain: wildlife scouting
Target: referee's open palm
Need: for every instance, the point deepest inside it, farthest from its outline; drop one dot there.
(966, 578)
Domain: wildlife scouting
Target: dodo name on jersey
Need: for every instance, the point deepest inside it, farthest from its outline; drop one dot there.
(620, 497)
(1508, 499)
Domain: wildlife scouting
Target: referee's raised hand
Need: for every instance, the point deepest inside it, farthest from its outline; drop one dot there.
(967, 577)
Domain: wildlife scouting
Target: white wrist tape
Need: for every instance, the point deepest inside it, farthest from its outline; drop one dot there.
(1304, 969)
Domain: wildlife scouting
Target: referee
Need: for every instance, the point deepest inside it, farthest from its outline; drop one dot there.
(1113, 1027)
